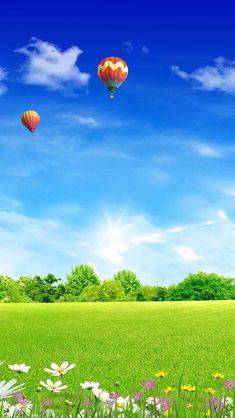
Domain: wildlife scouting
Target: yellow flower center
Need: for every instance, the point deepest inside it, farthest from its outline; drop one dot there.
(60, 369)
(160, 374)
(210, 391)
(169, 390)
(189, 388)
(52, 386)
(218, 375)
(120, 404)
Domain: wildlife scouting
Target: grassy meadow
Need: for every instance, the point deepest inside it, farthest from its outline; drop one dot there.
(120, 342)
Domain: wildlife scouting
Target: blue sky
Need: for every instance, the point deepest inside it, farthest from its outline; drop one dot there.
(145, 181)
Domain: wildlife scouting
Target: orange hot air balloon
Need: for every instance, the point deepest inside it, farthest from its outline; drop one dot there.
(113, 72)
(30, 120)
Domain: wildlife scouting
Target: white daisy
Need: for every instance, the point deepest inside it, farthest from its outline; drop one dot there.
(19, 368)
(11, 411)
(7, 389)
(89, 385)
(53, 387)
(57, 370)
(121, 403)
(102, 395)
(4, 406)
(227, 401)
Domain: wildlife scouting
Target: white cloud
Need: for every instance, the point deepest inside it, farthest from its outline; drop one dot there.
(220, 76)
(158, 255)
(46, 65)
(3, 77)
(222, 215)
(206, 150)
(144, 49)
(131, 47)
(90, 121)
(187, 253)
(128, 46)
(230, 191)
(85, 120)
(152, 237)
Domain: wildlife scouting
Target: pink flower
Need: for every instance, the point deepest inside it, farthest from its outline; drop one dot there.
(24, 402)
(18, 396)
(165, 403)
(229, 384)
(46, 403)
(137, 396)
(114, 396)
(149, 384)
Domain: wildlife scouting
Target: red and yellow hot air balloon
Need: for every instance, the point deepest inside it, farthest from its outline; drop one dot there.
(30, 120)
(113, 72)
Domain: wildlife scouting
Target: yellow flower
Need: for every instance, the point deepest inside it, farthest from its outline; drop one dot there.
(160, 374)
(218, 375)
(169, 390)
(189, 406)
(210, 391)
(189, 388)
(169, 411)
(208, 413)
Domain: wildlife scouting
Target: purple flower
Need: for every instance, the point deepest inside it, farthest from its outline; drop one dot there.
(114, 396)
(165, 403)
(137, 396)
(18, 396)
(217, 404)
(229, 384)
(23, 402)
(46, 403)
(149, 384)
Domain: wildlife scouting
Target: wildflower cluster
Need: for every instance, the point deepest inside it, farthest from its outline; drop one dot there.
(154, 399)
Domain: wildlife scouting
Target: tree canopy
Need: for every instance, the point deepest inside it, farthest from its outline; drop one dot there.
(84, 285)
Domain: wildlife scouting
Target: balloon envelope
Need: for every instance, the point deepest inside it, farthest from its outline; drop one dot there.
(30, 120)
(113, 72)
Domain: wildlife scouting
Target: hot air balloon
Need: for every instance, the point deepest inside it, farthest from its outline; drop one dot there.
(113, 72)
(30, 120)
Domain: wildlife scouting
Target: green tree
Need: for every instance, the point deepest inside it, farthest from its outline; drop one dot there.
(80, 277)
(161, 293)
(173, 293)
(151, 293)
(90, 293)
(129, 282)
(146, 293)
(4, 282)
(11, 291)
(106, 291)
(110, 290)
(40, 289)
(202, 286)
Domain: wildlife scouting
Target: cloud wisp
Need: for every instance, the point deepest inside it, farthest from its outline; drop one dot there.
(130, 47)
(3, 77)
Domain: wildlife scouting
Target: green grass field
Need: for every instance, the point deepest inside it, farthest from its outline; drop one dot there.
(124, 342)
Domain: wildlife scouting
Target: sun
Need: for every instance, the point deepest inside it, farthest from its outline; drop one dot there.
(113, 239)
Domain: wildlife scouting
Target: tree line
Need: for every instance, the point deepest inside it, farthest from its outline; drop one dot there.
(84, 285)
